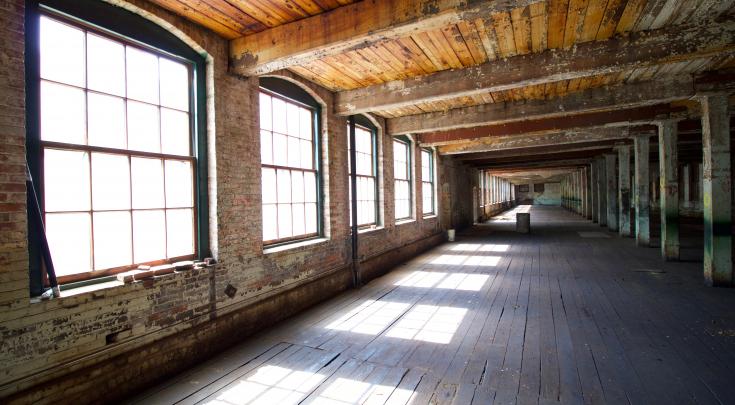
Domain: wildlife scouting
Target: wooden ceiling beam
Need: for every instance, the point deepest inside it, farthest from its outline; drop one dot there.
(353, 26)
(627, 117)
(637, 50)
(556, 164)
(591, 100)
(597, 147)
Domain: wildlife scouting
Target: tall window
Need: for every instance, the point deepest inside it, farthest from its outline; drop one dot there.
(366, 175)
(427, 181)
(117, 157)
(289, 169)
(402, 176)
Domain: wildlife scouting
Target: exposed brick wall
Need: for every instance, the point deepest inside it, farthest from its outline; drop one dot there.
(144, 330)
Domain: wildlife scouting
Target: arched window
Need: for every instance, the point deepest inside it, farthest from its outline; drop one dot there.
(289, 145)
(115, 141)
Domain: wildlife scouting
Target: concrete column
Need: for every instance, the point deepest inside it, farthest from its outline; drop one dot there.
(612, 192)
(590, 193)
(593, 191)
(577, 200)
(640, 195)
(686, 182)
(624, 189)
(717, 191)
(669, 186)
(602, 190)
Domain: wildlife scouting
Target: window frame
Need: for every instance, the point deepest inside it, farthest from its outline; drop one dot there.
(129, 29)
(432, 182)
(365, 124)
(290, 92)
(409, 174)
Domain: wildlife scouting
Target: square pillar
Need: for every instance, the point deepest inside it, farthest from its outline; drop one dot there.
(602, 191)
(624, 189)
(717, 191)
(594, 207)
(686, 182)
(587, 192)
(641, 146)
(612, 192)
(669, 189)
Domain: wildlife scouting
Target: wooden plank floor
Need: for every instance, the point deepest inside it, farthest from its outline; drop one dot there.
(569, 314)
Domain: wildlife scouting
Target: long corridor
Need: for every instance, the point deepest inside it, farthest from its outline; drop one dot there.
(569, 314)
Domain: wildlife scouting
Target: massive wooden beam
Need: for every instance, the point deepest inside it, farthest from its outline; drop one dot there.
(639, 49)
(352, 27)
(628, 117)
(555, 164)
(591, 100)
(597, 147)
(534, 140)
(589, 154)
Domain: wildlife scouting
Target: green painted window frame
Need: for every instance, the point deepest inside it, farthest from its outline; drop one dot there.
(409, 174)
(132, 28)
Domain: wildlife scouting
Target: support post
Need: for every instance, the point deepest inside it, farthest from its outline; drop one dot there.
(669, 186)
(624, 189)
(641, 198)
(587, 193)
(602, 191)
(717, 191)
(612, 192)
(593, 192)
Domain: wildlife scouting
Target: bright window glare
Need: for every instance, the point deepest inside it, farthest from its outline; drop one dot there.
(344, 391)
(455, 281)
(449, 259)
(271, 385)
(494, 248)
(429, 323)
(466, 247)
(371, 318)
(465, 260)
(464, 281)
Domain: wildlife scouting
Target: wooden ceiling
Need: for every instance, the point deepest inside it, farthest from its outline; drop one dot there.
(235, 18)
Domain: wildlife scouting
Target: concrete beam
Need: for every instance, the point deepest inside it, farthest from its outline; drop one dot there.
(637, 50)
(717, 190)
(669, 189)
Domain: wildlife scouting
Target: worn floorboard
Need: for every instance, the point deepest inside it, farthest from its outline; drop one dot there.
(558, 316)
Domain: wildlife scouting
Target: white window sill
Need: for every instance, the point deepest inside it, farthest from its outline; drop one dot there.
(368, 230)
(294, 245)
(405, 221)
(430, 216)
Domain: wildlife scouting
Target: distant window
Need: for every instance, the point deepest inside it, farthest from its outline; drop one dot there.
(289, 169)
(366, 175)
(402, 176)
(538, 188)
(117, 158)
(427, 181)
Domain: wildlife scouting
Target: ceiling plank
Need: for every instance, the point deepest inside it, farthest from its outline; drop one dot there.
(595, 99)
(670, 44)
(349, 27)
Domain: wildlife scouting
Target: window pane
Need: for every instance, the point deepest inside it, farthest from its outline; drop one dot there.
(66, 180)
(297, 186)
(106, 64)
(306, 123)
(110, 182)
(147, 183)
(266, 147)
(142, 75)
(298, 219)
(309, 187)
(294, 152)
(149, 236)
(279, 115)
(113, 239)
(143, 127)
(284, 186)
(284, 221)
(310, 216)
(269, 186)
(70, 241)
(180, 232)
(307, 155)
(174, 84)
(280, 147)
(175, 139)
(62, 113)
(270, 222)
(179, 180)
(62, 52)
(266, 118)
(106, 121)
(400, 170)
(292, 119)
